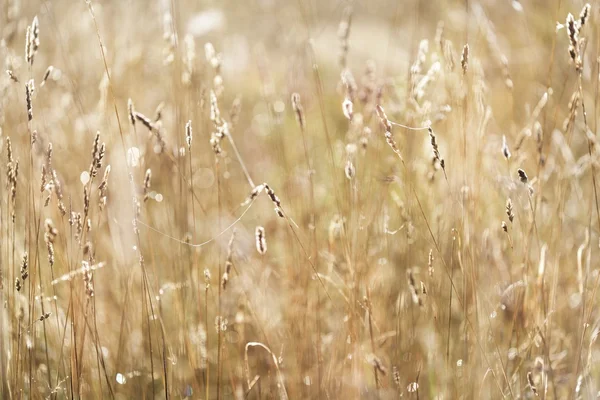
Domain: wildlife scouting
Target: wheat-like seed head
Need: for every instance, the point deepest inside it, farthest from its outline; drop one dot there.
(188, 134)
(509, 210)
(585, 13)
(430, 263)
(388, 131)
(436, 151)
(522, 175)
(573, 33)
(24, 267)
(88, 279)
(261, 241)
(28, 46)
(29, 89)
(44, 316)
(464, 59)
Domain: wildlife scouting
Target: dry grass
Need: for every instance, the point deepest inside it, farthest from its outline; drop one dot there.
(429, 200)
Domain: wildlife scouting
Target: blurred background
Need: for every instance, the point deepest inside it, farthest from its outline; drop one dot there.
(429, 275)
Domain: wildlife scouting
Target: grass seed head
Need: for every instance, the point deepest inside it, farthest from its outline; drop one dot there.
(261, 241)
(522, 176)
(464, 59)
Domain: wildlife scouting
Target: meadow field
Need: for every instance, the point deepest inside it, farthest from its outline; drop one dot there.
(302, 199)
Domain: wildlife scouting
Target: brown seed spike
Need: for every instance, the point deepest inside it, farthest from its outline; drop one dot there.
(253, 194)
(24, 267)
(44, 181)
(275, 200)
(28, 47)
(188, 134)
(388, 131)
(88, 279)
(9, 153)
(45, 316)
(585, 13)
(98, 151)
(35, 31)
(522, 175)
(436, 151)
(86, 200)
(396, 375)
(29, 89)
(384, 119)
(272, 195)
(145, 121)
(509, 210)
(32, 40)
(57, 185)
(573, 32)
(430, 262)
(50, 247)
(464, 59)
(49, 153)
(298, 110)
(261, 241)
